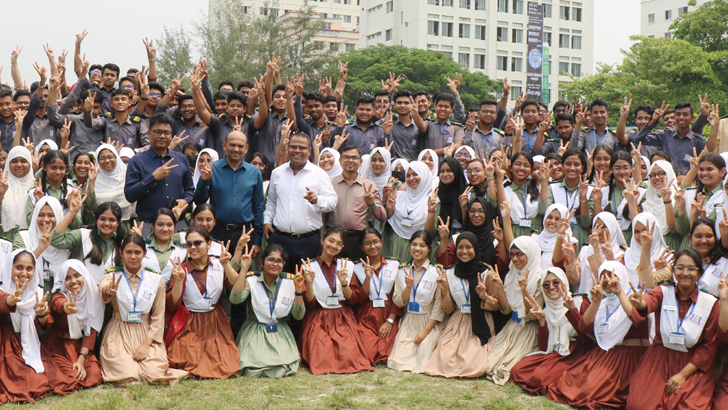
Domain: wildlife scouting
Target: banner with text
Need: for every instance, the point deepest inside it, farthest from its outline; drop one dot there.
(534, 73)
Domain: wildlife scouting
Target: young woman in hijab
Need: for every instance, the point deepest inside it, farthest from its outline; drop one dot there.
(646, 246)
(430, 158)
(132, 348)
(47, 213)
(111, 180)
(328, 160)
(126, 154)
(24, 311)
(464, 154)
(603, 376)
(620, 196)
(659, 200)
(54, 182)
(44, 147)
(417, 293)
(519, 337)
(19, 177)
(329, 340)
(399, 170)
(678, 370)
(560, 344)
(522, 194)
(573, 191)
(464, 344)
(555, 223)
(78, 315)
(377, 315)
(409, 211)
(606, 238)
(452, 185)
(378, 170)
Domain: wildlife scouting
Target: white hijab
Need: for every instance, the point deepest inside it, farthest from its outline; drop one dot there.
(547, 240)
(24, 316)
(336, 170)
(196, 175)
(54, 256)
(560, 330)
(610, 222)
(13, 205)
(412, 203)
(435, 165)
(403, 162)
(52, 144)
(90, 307)
(364, 164)
(653, 202)
(530, 248)
(618, 321)
(126, 152)
(382, 179)
(110, 185)
(632, 255)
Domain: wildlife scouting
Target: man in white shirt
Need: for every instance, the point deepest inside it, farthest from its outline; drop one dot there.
(299, 194)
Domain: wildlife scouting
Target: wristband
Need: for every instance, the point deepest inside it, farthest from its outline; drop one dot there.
(391, 322)
(299, 293)
(85, 356)
(144, 99)
(667, 203)
(42, 317)
(152, 60)
(508, 135)
(489, 179)
(345, 286)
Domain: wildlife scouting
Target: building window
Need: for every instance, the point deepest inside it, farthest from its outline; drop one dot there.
(388, 35)
(336, 16)
(464, 30)
(350, 47)
(576, 42)
(447, 3)
(547, 10)
(682, 10)
(576, 14)
(263, 11)
(446, 29)
(479, 32)
(651, 18)
(564, 12)
(464, 4)
(479, 61)
(464, 59)
(433, 28)
(502, 33)
(668, 35)
(576, 69)
(517, 6)
(668, 14)
(516, 91)
(479, 4)
(517, 35)
(502, 63)
(563, 68)
(449, 53)
(334, 46)
(347, 1)
(517, 64)
(337, 1)
(434, 2)
(563, 40)
(547, 38)
(503, 6)
(390, 6)
(347, 19)
(245, 9)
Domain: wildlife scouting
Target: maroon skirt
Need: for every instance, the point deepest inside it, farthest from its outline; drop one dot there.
(537, 372)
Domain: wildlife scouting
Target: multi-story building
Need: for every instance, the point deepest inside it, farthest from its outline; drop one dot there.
(656, 16)
(487, 35)
(341, 17)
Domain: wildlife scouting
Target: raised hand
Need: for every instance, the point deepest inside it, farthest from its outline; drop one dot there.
(442, 281)
(179, 209)
(368, 269)
(151, 49)
(636, 297)
(16, 295)
(564, 223)
(443, 229)
(226, 255)
(465, 197)
(38, 191)
(523, 282)
(70, 307)
(613, 284)
(583, 188)
(340, 139)
(432, 201)
(114, 286)
(246, 259)
(563, 147)
(536, 309)
(663, 260)
(497, 231)
(714, 117)
(164, 171)
(44, 241)
(298, 279)
(567, 298)
(409, 280)
(342, 274)
(177, 139)
(137, 229)
(568, 249)
(310, 196)
(4, 184)
(481, 289)
(506, 209)
(647, 234)
(625, 109)
(659, 112)
(597, 295)
(493, 276)
(369, 196)
(704, 105)
(41, 305)
(178, 272)
(723, 289)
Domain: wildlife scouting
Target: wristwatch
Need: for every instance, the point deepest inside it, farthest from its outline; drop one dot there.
(391, 322)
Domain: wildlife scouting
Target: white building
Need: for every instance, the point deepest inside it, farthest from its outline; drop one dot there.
(486, 35)
(656, 16)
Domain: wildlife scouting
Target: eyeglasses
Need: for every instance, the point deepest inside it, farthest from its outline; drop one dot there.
(95, 72)
(371, 243)
(127, 87)
(161, 132)
(516, 254)
(548, 285)
(350, 158)
(521, 165)
(297, 148)
(335, 243)
(658, 175)
(682, 269)
(543, 111)
(275, 261)
(560, 111)
(155, 95)
(195, 244)
(459, 155)
(474, 171)
(186, 107)
(477, 212)
(107, 158)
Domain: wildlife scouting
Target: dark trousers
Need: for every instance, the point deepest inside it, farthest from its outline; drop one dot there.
(237, 312)
(297, 248)
(352, 248)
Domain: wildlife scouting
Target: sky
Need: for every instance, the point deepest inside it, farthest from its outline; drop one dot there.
(32, 23)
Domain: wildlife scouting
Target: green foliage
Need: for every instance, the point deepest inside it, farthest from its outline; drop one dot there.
(652, 71)
(706, 27)
(174, 54)
(421, 70)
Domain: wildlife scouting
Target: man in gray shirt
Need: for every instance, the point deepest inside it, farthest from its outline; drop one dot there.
(363, 133)
(119, 126)
(441, 133)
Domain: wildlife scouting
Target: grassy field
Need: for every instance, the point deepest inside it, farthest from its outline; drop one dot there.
(380, 389)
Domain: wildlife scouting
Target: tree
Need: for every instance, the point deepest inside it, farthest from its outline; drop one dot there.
(652, 71)
(421, 70)
(174, 54)
(706, 27)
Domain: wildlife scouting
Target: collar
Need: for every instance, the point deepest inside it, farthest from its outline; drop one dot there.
(689, 135)
(340, 178)
(693, 296)
(716, 189)
(563, 185)
(153, 244)
(156, 154)
(308, 167)
(190, 267)
(326, 265)
(477, 128)
(227, 164)
(356, 125)
(134, 275)
(113, 235)
(424, 265)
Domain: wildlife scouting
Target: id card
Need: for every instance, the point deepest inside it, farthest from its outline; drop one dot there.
(406, 222)
(603, 328)
(208, 301)
(332, 301)
(413, 307)
(465, 309)
(378, 303)
(670, 308)
(147, 294)
(271, 327)
(414, 142)
(525, 223)
(134, 317)
(677, 338)
(515, 318)
(449, 139)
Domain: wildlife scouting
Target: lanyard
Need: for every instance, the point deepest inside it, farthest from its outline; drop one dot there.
(133, 294)
(272, 303)
(573, 198)
(594, 135)
(610, 314)
(614, 200)
(490, 141)
(378, 288)
(332, 287)
(467, 294)
(442, 131)
(679, 324)
(414, 288)
(528, 139)
(525, 210)
(201, 283)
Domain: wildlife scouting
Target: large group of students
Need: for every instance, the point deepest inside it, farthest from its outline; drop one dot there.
(154, 234)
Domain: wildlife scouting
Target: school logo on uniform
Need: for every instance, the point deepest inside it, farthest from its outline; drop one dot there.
(427, 285)
(5, 247)
(693, 318)
(286, 301)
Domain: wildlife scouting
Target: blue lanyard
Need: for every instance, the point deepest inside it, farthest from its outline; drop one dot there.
(445, 131)
(467, 294)
(594, 135)
(614, 198)
(679, 324)
(272, 303)
(332, 287)
(525, 210)
(133, 294)
(201, 283)
(528, 139)
(378, 288)
(610, 314)
(414, 289)
(566, 194)
(490, 141)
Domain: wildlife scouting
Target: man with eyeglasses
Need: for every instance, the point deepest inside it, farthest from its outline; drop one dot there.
(158, 177)
(484, 136)
(299, 193)
(120, 126)
(156, 92)
(358, 201)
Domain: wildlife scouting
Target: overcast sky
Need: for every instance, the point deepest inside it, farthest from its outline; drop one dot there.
(116, 36)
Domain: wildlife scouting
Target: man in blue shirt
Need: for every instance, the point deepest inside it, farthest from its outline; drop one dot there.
(158, 176)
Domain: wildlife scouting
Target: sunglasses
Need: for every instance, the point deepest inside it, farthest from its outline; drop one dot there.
(548, 285)
(195, 244)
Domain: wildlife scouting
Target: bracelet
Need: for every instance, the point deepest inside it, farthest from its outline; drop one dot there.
(42, 317)
(85, 356)
(143, 99)
(391, 321)
(345, 286)
(152, 60)
(508, 135)
(299, 293)
(11, 63)
(667, 203)
(489, 179)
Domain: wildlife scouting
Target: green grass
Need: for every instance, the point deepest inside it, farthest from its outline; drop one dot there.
(381, 389)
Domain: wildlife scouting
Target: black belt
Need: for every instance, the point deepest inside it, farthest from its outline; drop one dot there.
(232, 227)
(349, 233)
(298, 235)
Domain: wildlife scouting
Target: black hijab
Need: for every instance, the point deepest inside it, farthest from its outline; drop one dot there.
(470, 271)
(486, 248)
(449, 194)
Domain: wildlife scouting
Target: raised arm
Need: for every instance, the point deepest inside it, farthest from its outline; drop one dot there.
(622, 124)
(198, 101)
(152, 57)
(77, 62)
(14, 70)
